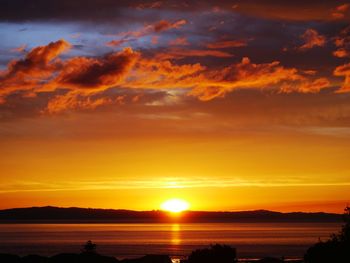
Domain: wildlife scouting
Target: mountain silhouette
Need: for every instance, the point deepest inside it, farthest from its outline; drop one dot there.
(74, 214)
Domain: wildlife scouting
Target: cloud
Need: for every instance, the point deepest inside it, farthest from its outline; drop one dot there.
(112, 98)
(37, 66)
(77, 100)
(41, 70)
(247, 75)
(86, 78)
(227, 44)
(298, 10)
(343, 71)
(19, 49)
(340, 11)
(147, 30)
(111, 10)
(37, 61)
(157, 27)
(179, 41)
(341, 53)
(312, 39)
(155, 73)
(39, 10)
(164, 25)
(96, 73)
(179, 53)
(306, 86)
(117, 43)
(342, 42)
(150, 5)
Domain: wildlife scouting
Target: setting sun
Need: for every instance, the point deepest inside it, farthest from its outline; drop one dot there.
(175, 205)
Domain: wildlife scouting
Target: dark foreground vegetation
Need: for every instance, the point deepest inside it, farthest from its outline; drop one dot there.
(334, 250)
(214, 254)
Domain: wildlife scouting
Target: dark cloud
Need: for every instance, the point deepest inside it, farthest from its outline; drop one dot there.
(298, 10)
(92, 10)
(95, 73)
(22, 10)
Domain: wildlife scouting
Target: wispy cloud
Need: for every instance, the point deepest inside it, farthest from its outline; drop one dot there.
(163, 183)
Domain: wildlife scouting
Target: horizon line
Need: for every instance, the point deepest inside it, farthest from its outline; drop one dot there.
(167, 212)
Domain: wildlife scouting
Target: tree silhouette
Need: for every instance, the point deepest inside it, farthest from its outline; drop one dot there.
(334, 250)
(89, 247)
(344, 235)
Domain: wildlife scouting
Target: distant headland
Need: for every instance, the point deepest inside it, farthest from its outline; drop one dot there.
(90, 215)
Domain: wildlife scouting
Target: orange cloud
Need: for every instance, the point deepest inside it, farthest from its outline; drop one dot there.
(158, 73)
(245, 75)
(340, 11)
(341, 53)
(88, 100)
(227, 44)
(37, 66)
(343, 71)
(164, 25)
(75, 100)
(38, 59)
(312, 39)
(306, 86)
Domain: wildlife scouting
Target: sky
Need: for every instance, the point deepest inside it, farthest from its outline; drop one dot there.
(230, 105)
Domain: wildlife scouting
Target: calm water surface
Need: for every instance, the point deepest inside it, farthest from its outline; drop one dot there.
(252, 240)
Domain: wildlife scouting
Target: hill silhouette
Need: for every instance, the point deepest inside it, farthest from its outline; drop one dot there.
(81, 215)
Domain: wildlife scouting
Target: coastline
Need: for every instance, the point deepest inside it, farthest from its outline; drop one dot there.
(97, 258)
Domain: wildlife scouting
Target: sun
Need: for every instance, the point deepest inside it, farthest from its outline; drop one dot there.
(175, 205)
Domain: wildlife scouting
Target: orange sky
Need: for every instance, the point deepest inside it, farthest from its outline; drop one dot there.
(216, 170)
(229, 106)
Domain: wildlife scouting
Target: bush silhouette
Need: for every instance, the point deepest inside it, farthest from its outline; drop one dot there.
(336, 249)
(215, 254)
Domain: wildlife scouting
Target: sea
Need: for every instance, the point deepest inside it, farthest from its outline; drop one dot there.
(252, 240)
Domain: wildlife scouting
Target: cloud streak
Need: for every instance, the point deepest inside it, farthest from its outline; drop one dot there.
(147, 30)
(164, 183)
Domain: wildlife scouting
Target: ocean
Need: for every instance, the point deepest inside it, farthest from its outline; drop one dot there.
(252, 240)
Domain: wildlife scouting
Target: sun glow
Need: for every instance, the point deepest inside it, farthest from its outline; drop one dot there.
(175, 205)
